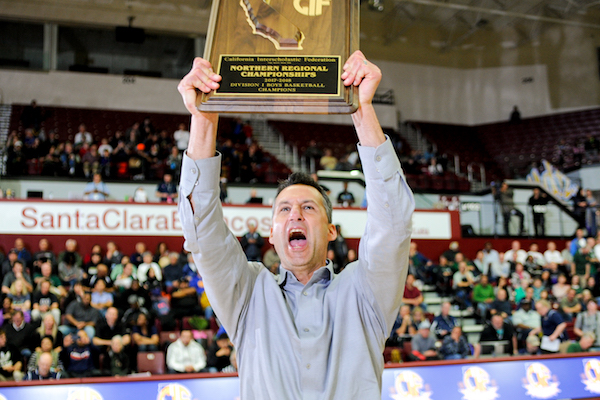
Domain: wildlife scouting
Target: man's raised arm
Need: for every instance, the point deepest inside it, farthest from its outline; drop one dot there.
(217, 253)
(203, 128)
(384, 247)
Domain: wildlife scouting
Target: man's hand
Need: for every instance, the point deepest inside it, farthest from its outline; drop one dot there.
(201, 77)
(360, 72)
(203, 127)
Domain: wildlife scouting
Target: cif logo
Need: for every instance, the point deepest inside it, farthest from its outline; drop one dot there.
(314, 7)
(174, 391)
(476, 379)
(84, 393)
(409, 386)
(538, 375)
(591, 375)
(539, 382)
(592, 370)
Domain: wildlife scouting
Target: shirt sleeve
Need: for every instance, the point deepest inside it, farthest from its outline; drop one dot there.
(384, 247)
(229, 278)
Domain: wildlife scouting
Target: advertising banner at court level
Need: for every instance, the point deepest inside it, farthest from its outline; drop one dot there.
(122, 219)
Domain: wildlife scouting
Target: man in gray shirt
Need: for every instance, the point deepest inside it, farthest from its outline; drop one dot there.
(306, 333)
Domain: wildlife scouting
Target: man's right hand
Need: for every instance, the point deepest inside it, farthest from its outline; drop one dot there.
(201, 77)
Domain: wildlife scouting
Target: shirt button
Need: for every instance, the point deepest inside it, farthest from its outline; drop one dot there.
(193, 170)
(196, 183)
(386, 205)
(307, 366)
(197, 219)
(306, 329)
(304, 294)
(378, 158)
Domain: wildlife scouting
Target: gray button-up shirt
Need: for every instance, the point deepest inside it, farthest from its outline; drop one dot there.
(323, 340)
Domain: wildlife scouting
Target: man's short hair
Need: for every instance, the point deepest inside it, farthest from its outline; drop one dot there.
(302, 178)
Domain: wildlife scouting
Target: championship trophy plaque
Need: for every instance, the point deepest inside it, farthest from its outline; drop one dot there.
(281, 56)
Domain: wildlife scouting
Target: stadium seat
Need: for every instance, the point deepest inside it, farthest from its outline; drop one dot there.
(151, 361)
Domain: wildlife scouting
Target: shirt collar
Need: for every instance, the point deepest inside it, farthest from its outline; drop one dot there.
(324, 273)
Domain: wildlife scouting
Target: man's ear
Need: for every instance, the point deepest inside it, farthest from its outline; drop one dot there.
(271, 236)
(332, 232)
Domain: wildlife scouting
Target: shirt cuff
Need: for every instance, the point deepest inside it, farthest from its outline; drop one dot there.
(380, 161)
(203, 174)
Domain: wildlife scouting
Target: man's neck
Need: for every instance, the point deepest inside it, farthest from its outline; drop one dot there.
(303, 274)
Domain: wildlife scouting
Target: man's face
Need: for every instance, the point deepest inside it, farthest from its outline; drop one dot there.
(497, 322)
(17, 319)
(186, 337)
(301, 231)
(97, 178)
(82, 338)
(44, 364)
(45, 288)
(168, 178)
(111, 315)
(43, 245)
(445, 308)
(424, 332)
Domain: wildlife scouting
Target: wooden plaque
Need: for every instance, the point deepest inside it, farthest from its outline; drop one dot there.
(281, 56)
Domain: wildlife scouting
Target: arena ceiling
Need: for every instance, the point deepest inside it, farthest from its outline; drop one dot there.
(449, 24)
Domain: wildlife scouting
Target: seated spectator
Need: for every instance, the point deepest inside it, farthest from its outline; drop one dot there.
(6, 312)
(586, 341)
(412, 295)
(9, 262)
(184, 301)
(561, 288)
(137, 257)
(516, 254)
(81, 316)
(172, 273)
(109, 327)
(423, 344)
(553, 255)
(252, 243)
(21, 299)
(403, 327)
(101, 300)
(45, 302)
(96, 190)
(219, 354)
(125, 277)
(21, 334)
(148, 263)
(71, 248)
(145, 336)
(11, 361)
(118, 360)
(552, 325)
(44, 370)
(455, 346)
(529, 296)
(271, 260)
(101, 275)
(45, 273)
(69, 271)
(525, 319)
(532, 346)
(167, 189)
(444, 323)
(418, 316)
(419, 265)
(17, 273)
(570, 305)
(345, 198)
(23, 254)
(500, 269)
(502, 285)
(520, 275)
(91, 267)
(497, 330)
(501, 306)
(43, 255)
(185, 355)
(588, 321)
(49, 328)
(462, 283)
(328, 161)
(133, 300)
(536, 255)
(78, 356)
(46, 347)
(483, 296)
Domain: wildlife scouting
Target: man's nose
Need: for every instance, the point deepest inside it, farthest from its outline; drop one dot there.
(296, 213)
